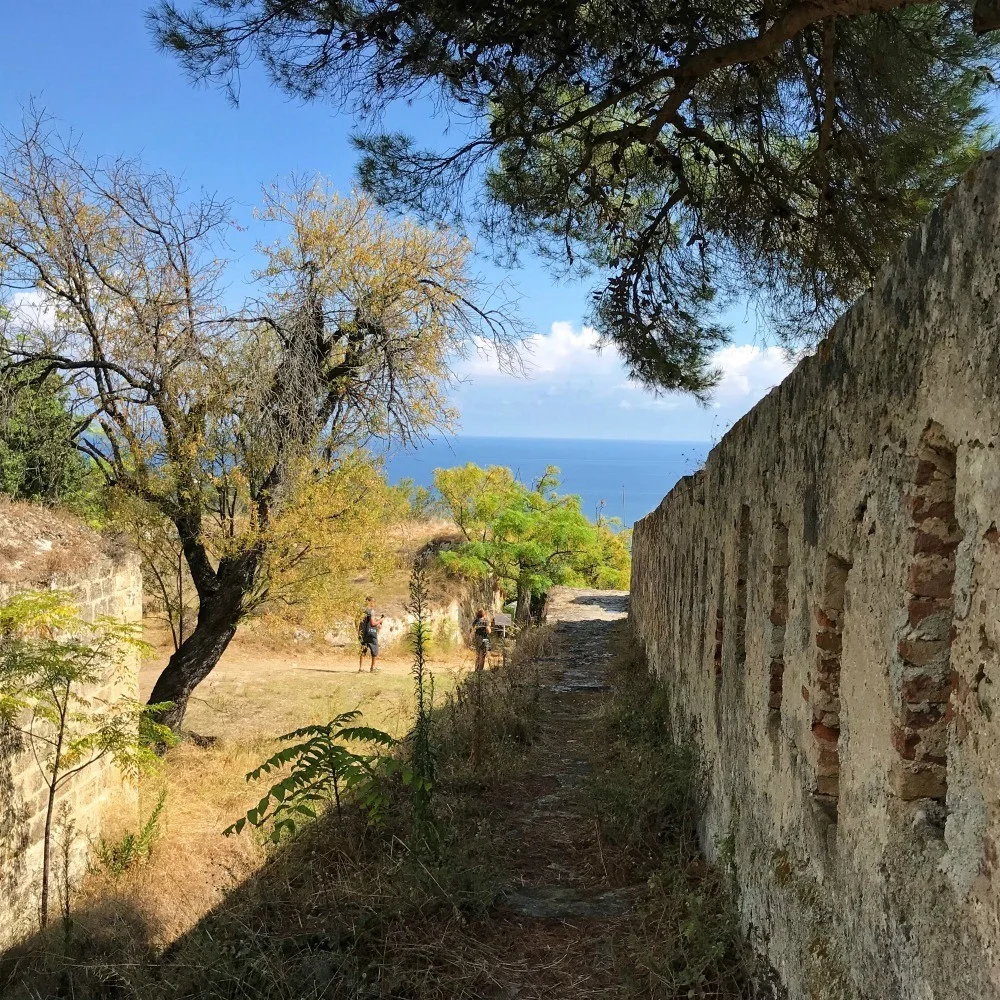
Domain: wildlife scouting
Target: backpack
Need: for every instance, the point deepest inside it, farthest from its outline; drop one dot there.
(367, 630)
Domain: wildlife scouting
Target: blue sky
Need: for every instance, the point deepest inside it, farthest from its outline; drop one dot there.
(93, 67)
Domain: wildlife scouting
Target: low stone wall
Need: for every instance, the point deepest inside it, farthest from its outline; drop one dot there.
(109, 584)
(448, 620)
(448, 626)
(823, 603)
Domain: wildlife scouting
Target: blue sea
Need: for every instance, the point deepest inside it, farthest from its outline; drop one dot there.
(629, 477)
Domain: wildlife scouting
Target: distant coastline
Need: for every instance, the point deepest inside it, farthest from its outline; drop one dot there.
(631, 477)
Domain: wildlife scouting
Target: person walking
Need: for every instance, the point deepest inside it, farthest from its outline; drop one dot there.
(368, 634)
(480, 631)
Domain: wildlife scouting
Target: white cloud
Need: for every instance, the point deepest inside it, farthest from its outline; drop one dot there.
(748, 372)
(31, 309)
(561, 352)
(564, 353)
(649, 402)
(574, 390)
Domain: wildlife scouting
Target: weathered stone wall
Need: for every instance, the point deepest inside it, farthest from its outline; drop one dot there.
(823, 602)
(110, 583)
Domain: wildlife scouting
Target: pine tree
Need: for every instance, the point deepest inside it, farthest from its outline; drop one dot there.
(688, 151)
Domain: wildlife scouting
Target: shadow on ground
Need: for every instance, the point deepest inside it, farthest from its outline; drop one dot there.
(612, 603)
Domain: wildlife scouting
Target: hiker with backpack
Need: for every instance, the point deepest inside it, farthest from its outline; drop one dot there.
(368, 634)
(481, 629)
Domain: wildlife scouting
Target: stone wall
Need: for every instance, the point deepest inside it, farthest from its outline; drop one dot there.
(104, 580)
(822, 601)
(447, 626)
(449, 619)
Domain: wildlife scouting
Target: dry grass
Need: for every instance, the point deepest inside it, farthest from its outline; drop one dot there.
(341, 911)
(253, 695)
(686, 940)
(37, 542)
(265, 685)
(348, 912)
(487, 722)
(415, 538)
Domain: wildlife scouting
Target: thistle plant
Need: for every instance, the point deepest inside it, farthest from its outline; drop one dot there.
(423, 756)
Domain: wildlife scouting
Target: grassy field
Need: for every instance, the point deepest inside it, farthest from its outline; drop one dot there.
(580, 794)
(266, 684)
(257, 692)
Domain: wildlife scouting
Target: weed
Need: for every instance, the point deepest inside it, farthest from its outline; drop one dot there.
(686, 939)
(345, 910)
(116, 857)
(321, 770)
(492, 715)
(423, 753)
(342, 909)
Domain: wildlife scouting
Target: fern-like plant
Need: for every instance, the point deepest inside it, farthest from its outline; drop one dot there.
(322, 769)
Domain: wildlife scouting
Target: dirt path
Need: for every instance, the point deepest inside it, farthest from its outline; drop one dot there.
(551, 934)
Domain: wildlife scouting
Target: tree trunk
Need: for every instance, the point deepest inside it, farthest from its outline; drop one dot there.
(218, 617)
(47, 854)
(522, 613)
(53, 786)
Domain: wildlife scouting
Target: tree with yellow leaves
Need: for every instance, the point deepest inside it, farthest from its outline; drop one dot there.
(237, 425)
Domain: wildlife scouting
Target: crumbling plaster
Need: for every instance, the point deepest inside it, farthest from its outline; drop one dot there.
(862, 813)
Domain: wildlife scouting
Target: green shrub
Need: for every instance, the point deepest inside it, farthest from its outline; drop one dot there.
(322, 769)
(38, 458)
(116, 857)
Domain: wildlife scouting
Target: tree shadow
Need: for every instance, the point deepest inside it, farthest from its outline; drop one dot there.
(81, 958)
(342, 910)
(317, 920)
(612, 603)
(14, 835)
(244, 946)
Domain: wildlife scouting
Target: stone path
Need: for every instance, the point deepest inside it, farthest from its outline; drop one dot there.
(555, 923)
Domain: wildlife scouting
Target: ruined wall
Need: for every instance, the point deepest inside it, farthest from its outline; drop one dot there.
(42, 550)
(823, 603)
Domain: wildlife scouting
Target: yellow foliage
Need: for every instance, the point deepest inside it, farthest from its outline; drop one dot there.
(239, 427)
(336, 529)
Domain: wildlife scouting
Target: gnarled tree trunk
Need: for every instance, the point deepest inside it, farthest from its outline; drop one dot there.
(222, 595)
(194, 659)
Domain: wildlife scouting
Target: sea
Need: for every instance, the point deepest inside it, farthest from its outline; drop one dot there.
(623, 479)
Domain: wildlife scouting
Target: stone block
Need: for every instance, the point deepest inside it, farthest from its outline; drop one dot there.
(926, 687)
(921, 715)
(88, 796)
(905, 742)
(828, 784)
(931, 576)
(825, 736)
(923, 652)
(934, 543)
(914, 781)
(882, 449)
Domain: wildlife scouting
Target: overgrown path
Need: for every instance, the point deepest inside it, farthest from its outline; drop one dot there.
(567, 866)
(551, 935)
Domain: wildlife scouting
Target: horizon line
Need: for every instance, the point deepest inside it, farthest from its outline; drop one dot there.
(539, 437)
